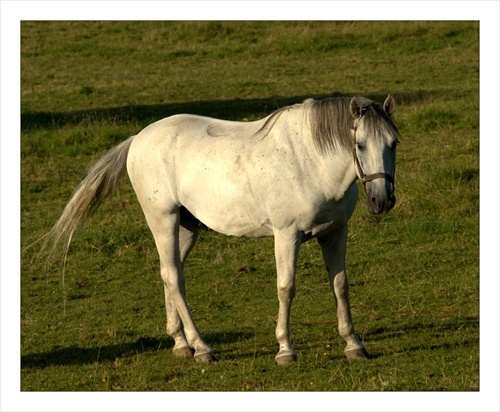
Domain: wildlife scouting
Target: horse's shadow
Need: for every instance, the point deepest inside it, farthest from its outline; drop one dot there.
(76, 355)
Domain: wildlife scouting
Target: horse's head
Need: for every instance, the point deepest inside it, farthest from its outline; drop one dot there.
(375, 137)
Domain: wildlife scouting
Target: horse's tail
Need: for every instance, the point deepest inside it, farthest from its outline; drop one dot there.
(100, 181)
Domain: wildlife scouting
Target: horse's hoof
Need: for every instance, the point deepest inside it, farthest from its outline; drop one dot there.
(286, 359)
(185, 352)
(206, 357)
(357, 353)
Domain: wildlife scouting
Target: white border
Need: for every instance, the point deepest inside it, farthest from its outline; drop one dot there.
(12, 12)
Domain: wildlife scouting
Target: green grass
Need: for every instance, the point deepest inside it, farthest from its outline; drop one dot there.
(414, 273)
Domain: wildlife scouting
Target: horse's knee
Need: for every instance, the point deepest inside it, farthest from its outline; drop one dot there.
(286, 292)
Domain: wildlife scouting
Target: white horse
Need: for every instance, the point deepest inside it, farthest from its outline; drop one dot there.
(290, 175)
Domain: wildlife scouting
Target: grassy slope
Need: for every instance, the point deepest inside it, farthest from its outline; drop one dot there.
(414, 273)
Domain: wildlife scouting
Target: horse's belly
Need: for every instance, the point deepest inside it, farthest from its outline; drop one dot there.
(231, 221)
(243, 230)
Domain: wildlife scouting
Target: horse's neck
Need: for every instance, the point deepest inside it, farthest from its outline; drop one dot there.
(337, 172)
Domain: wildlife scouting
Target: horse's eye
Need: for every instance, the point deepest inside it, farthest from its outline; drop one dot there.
(360, 146)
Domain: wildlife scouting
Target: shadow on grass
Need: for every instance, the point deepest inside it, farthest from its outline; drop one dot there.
(235, 109)
(76, 355)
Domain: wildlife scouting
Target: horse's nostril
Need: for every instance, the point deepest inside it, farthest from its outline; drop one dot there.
(374, 200)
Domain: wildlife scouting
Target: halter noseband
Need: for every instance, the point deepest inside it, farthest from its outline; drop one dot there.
(368, 178)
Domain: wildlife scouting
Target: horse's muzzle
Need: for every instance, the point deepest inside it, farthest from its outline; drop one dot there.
(380, 203)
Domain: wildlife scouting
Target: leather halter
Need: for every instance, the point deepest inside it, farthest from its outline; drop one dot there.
(368, 178)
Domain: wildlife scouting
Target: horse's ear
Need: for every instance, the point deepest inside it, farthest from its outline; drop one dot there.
(356, 107)
(389, 105)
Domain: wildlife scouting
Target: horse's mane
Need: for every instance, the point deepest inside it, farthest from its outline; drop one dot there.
(331, 121)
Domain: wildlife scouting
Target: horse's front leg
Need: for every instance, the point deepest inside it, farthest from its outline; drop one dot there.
(334, 247)
(286, 246)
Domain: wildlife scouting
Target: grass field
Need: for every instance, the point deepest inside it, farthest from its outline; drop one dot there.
(414, 273)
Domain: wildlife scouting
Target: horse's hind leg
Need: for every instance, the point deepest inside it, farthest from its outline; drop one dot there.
(333, 247)
(187, 239)
(168, 233)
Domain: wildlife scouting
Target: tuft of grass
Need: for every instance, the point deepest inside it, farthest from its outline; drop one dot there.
(414, 273)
